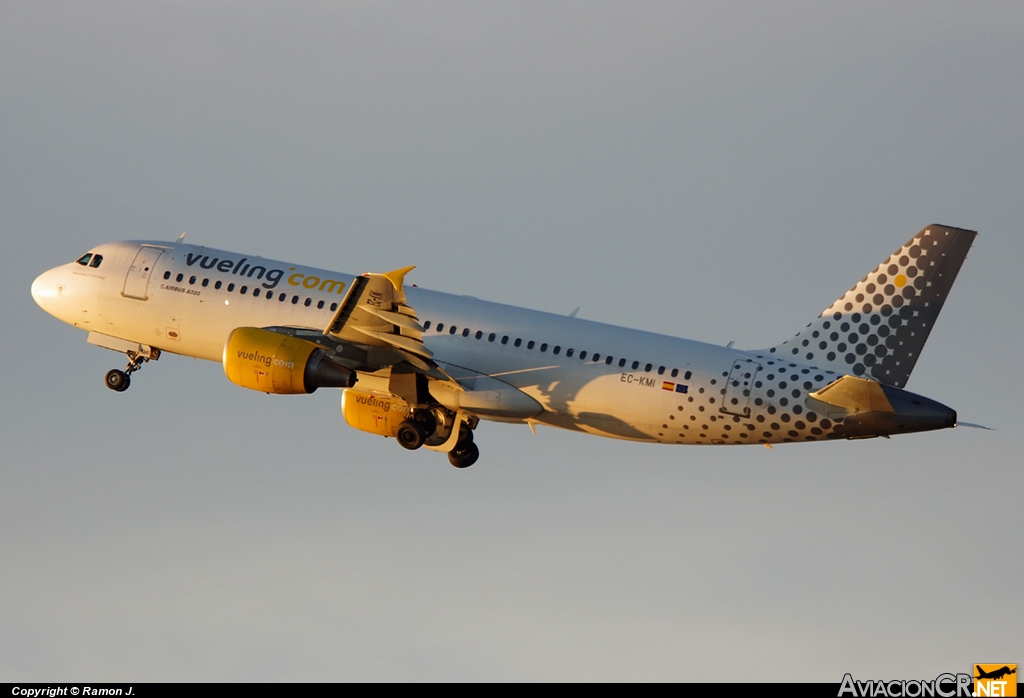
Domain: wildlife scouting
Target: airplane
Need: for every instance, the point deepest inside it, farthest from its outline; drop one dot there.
(995, 674)
(424, 367)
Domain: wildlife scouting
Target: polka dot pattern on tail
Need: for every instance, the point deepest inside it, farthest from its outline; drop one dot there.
(878, 328)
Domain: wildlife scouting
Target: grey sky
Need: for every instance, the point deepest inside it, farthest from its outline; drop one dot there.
(715, 171)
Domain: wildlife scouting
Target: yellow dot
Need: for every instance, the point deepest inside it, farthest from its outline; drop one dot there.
(900, 281)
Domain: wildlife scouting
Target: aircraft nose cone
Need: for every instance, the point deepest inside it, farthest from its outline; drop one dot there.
(43, 289)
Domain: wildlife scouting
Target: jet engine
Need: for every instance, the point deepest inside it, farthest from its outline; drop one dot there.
(272, 362)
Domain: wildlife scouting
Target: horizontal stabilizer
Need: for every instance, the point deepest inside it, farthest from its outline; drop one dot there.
(854, 394)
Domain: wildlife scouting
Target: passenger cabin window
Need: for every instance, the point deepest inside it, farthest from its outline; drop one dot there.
(320, 305)
(426, 325)
(334, 306)
(206, 282)
(504, 340)
(167, 275)
(622, 362)
(608, 360)
(216, 285)
(256, 292)
(636, 365)
(543, 347)
(556, 350)
(491, 336)
(661, 370)
(478, 334)
(465, 332)
(529, 345)
(440, 327)
(84, 259)
(309, 302)
(231, 287)
(244, 290)
(647, 367)
(453, 329)
(518, 342)
(181, 277)
(675, 372)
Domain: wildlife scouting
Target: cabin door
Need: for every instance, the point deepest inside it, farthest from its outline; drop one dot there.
(136, 284)
(737, 391)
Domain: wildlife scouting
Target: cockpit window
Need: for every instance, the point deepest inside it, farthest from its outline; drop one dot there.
(97, 259)
(84, 259)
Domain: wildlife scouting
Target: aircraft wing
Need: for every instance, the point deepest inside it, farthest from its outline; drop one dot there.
(375, 314)
(375, 328)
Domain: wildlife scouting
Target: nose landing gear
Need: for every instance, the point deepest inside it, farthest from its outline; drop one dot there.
(120, 381)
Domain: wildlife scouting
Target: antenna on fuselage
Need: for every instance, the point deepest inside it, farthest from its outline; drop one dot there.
(181, 237)
(573, 313)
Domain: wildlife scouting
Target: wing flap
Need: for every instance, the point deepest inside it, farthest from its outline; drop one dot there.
(375, 313)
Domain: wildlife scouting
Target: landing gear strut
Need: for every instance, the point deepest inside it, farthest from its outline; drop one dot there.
(120, 381)
(466, 451)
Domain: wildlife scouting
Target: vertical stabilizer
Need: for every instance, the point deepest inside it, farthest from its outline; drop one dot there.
(878, 327)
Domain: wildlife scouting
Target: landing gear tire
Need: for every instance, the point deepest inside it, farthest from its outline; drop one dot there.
(411, 434)
(463, 456)
(118, 381)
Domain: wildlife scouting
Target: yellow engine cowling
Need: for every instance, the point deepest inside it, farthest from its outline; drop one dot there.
(377, 415)
(271, 362)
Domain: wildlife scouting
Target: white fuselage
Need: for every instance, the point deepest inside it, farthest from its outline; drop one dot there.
(587, 376)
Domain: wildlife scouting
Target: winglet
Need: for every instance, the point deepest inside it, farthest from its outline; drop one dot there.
(397, 277)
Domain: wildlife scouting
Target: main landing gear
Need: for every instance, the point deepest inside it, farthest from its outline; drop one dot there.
(421, 425)
(466, 451)
(415, 430)
(120, 381)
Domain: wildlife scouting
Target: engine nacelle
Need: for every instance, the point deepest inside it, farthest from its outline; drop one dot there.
(372, 413)
(271, 362)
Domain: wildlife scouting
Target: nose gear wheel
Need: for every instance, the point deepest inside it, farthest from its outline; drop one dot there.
(120, 381)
